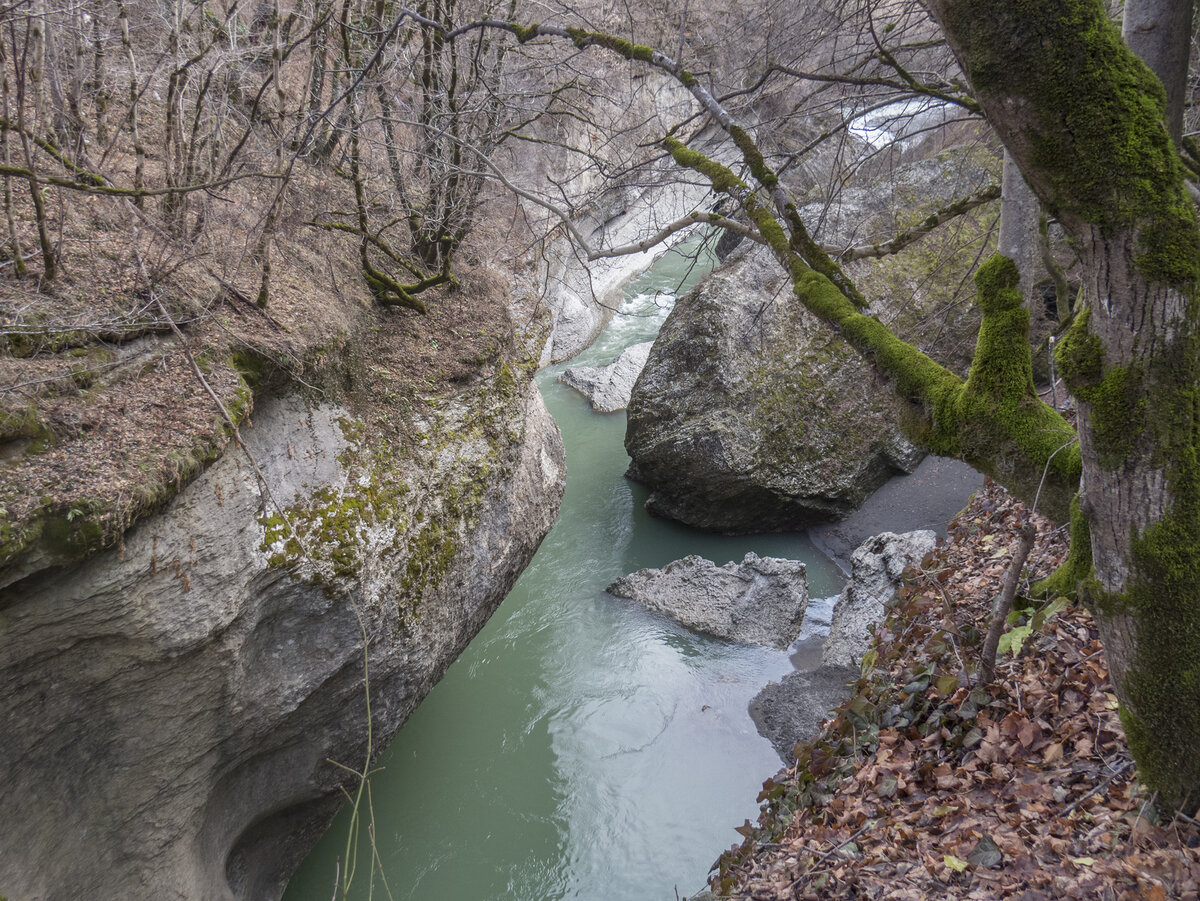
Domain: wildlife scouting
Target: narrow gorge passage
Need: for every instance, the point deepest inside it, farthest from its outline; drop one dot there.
(581, 747)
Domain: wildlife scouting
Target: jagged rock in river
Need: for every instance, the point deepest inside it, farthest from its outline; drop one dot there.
(172, 705)
(751, 416)
(793, 709)
(876, 568)
(758, 601)
(608, 387)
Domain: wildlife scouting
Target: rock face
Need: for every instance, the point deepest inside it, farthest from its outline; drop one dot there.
(614, 212)
(792, 710)
(172, 705)
(608, 387)
(751, 416)
(876, 567)
(758, 601)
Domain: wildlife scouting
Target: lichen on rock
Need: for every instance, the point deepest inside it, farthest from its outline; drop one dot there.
(750, 416)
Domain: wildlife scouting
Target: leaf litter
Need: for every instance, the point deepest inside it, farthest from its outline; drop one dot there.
(925, 784)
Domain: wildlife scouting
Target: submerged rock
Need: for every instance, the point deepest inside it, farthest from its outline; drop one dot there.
(752, 416)
(876, 568)
(793, 709)
(608, 387)
(758, 601)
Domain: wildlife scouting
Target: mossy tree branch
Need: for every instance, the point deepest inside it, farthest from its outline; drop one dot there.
(994, 420)
(909, 236)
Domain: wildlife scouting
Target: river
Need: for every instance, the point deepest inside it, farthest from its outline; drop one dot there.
(581, 747)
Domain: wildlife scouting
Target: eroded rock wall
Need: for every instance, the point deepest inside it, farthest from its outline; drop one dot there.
(172, 705)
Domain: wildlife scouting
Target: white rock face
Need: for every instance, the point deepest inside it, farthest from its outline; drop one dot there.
(583, 294)
(608, 387)
(758, 601)
(876, 567)
(171, 707)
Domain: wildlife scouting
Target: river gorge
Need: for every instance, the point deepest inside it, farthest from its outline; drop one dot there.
(581, 747)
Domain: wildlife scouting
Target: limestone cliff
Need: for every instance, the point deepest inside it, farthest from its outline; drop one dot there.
(180, 707)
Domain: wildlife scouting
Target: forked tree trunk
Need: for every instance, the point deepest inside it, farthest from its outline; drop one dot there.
(1083, 118)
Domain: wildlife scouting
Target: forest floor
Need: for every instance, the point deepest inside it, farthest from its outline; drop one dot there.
(925, 786)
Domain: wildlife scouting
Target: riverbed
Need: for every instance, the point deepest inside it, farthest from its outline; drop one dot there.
(582, 747)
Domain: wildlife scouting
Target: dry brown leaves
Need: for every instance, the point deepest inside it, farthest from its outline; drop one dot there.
(1025, 790)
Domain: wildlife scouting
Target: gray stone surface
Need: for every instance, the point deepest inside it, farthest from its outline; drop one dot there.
(792, 710)
(928, 498)
(171, 708)
(751, 416)
(758, 601)
(876, 567)
(608, 387)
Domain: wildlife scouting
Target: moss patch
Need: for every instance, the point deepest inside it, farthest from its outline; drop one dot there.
(416, 469)
(1100, 149)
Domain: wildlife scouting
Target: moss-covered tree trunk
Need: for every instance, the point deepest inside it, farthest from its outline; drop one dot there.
(1084, 119)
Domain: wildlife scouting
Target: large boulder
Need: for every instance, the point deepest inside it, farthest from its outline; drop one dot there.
(758, 601)
(876, 568)
(609, 387)
(751, 416)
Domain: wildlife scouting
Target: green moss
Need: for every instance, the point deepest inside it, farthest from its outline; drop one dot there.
(524, 33)
(1099, 145)
(254, 368)
(998, 282)
(723, 181)
(1161, 714)
(1077, 568)
(74, 535)
(622, 47)
(23, 422)
(1152, 412)
(71, 534)
(753, 157)
(375, 514)
(994, 421)
(1080, 355)
(506, 382)
(1115, 395)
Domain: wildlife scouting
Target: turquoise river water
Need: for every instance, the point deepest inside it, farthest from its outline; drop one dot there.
(582, 747)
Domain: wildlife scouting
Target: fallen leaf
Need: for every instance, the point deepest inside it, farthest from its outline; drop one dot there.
(957, 864)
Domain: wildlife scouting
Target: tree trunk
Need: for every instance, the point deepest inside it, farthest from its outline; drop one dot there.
(1160, 32)
(1020, 213)
(1083, 118)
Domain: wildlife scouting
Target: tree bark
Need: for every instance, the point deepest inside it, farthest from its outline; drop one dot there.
(1084, 120)
(1019, 239)
(1160, 32)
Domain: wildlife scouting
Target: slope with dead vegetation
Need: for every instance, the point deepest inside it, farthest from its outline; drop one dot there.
(927, 785)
